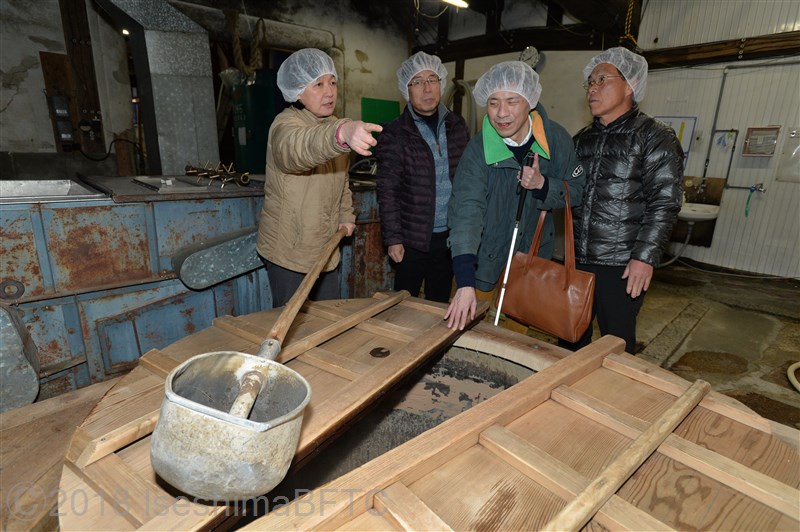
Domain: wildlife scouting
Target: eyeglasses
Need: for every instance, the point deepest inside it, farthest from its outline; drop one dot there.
(600, 81)
(432, 82)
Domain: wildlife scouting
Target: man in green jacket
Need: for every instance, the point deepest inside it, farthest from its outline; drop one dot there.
(483, 206)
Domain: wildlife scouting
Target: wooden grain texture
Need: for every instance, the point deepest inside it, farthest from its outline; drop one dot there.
(76, 502)
(126, 413)
(716, 402)
(520, 458)
(405, 510)
(351, 495)
(33, 440)
(292, 307)
(514, 347)
(158, 362)
(752, 483)
(582, 508)
(562, 480)
(109, 453)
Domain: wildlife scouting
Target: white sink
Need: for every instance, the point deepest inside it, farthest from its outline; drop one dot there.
(698, 212)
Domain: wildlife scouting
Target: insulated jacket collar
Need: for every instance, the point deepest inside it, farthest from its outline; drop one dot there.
(409, 116)
(495, 150)
(632, 112)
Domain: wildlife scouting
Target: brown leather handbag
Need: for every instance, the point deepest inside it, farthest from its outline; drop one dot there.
(542, 293)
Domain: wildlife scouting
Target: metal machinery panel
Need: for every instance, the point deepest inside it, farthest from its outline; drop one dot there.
(365, 264)
(96, 244)
(182, 224)
(125, 336)
(94, 285)
(20, 262)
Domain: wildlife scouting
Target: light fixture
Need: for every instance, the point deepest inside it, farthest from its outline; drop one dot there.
(125, 32)
(457, 3)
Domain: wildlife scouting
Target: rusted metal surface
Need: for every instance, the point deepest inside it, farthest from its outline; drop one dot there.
(19, 364)
(123, 337)
(185, 223)
(94, 284)
(365, 264)
(94, 245)
(20, 263)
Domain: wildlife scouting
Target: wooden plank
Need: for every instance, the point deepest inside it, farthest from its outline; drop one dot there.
(373, 325)
(137, 457)
(386, 329)
(785, 43)
(104, 444)
(750, 447)
(580, 510)
(373, 384)
(334, 363)
(511, 346)
(431, 307)
(128, 412)
(62, 405)
(599, 412)
(419, 456)
(563, 480)
(188, 515)
(241, 328)
(758, 486)
(158, 362)
(405, 510)
(298, 347)
(32, 455)
(209, 340)
(666, 381)
(761, 487)
(75, 23)
(75, 495)
(123, 490)
(367, 521)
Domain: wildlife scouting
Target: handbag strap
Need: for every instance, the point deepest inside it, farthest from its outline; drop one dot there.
(569, 239)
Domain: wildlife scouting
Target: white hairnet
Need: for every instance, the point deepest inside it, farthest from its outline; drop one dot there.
(632, 66)
(414, 65)
(511, 76)
(301, 69)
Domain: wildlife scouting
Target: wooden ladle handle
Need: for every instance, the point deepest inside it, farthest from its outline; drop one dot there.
(292, 307)
(252, 381)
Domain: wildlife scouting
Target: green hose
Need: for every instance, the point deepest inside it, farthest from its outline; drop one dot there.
(747, 205)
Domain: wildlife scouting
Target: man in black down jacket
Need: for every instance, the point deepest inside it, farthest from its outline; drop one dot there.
(417, 158)
(633, 192)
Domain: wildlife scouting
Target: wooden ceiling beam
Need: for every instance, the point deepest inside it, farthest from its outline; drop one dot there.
(764, 46)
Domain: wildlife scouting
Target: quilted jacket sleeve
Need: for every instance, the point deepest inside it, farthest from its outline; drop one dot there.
(389, 180)
(300, 145)
(662, 186)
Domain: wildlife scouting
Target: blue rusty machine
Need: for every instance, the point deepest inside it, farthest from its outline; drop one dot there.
(91, 279)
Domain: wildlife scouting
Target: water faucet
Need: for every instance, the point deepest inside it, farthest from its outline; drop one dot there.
(758, 187)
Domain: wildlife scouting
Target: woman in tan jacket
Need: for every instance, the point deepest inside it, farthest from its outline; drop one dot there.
(307, 197)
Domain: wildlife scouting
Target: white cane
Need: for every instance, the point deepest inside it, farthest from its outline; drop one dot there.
(522, 192)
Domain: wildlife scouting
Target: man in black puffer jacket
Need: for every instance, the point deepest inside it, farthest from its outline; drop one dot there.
(417, 158)
(634, 189)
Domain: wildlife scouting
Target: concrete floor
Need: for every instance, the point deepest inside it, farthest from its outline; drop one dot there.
(739, 333)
